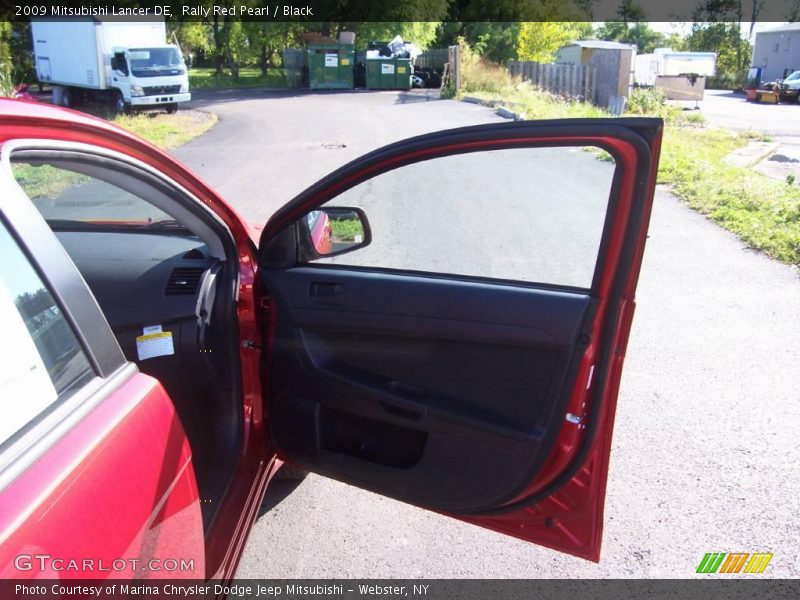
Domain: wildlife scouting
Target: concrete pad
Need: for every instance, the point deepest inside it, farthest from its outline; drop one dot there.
(751, 154)
(783, 164)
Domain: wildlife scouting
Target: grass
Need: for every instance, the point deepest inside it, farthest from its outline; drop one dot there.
(204, 78)
(346, 230)
(45, 181)
(167, 131)
(763, 212)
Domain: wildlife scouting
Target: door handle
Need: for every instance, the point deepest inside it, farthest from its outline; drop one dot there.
(331, 294)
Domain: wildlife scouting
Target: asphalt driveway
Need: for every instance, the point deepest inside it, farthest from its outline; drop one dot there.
(723, 108)
(705, 449)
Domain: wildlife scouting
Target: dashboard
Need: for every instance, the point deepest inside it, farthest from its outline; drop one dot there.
(140, 278)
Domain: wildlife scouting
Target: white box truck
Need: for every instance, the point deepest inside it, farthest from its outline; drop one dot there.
(128, 64)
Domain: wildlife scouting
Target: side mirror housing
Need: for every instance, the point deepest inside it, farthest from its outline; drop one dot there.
(332, 231)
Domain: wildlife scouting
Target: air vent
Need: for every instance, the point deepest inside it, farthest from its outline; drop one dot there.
(193, 254)
(183, 281)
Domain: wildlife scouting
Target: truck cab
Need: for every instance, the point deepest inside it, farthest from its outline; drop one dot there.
(149, 77)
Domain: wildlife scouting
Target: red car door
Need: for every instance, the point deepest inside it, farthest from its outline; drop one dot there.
(462, 351)
(95, 468)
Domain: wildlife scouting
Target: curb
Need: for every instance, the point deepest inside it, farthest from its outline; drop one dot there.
(509, 114)
(501, 111)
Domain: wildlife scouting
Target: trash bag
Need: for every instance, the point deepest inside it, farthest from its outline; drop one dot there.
(396, 46)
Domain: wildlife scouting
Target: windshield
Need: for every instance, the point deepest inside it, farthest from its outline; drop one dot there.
(793, 77)
(148, 61)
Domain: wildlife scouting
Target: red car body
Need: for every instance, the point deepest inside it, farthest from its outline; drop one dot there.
(150, 509)
(167, 504)
(320, 226)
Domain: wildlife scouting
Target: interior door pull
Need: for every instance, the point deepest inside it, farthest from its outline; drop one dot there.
(327, 293)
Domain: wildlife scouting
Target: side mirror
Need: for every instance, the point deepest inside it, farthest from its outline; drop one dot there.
(114, 66)
(331, 231)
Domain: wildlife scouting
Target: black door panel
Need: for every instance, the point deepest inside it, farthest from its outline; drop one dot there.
(430, 390)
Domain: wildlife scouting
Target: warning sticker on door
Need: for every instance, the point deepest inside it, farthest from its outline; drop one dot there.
(387, 69)
(154, 343)
(331, 60)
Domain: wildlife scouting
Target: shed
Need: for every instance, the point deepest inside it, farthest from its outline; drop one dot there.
(777, 51)
(613, 62)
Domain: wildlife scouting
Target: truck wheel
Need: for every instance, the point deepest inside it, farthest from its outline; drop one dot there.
(120, 106)
(67, 98)
(58, 92)
(172, 108)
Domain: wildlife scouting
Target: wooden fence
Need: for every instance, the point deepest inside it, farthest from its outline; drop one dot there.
(576, 81)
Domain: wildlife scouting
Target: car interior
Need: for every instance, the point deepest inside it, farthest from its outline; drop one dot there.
(174, 269)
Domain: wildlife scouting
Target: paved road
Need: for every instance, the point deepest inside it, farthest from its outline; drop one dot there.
(727, 109)
(705, 449)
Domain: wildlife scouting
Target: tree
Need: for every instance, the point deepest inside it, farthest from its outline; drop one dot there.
(613, 31)
(414, 20)
(733, 51)
(16, 54)
(646, 39)
(422, 33)
(629, 10)
(792, 14)
(6, 76)
(192, 36)
(268, 38)
(716, 28)
(539, 40)
(676, 41)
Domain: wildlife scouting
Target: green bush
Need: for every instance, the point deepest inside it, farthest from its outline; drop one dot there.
(645, 101)
(726, 81)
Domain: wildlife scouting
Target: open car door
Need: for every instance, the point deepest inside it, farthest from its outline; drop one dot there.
(447, 319)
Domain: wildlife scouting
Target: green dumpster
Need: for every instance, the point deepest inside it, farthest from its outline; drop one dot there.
(330, 66)
(389, 73)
